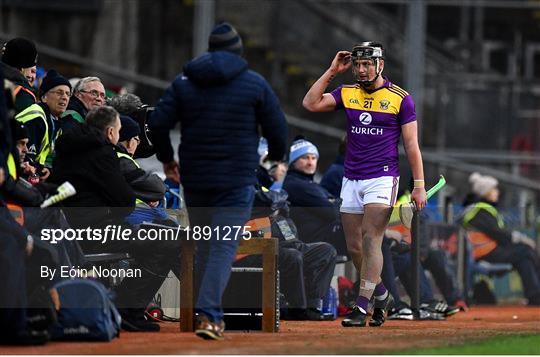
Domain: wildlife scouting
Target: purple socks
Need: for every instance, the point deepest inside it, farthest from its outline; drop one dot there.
(362, 302)
(380, 292)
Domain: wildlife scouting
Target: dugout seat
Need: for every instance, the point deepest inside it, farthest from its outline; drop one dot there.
(267, 247)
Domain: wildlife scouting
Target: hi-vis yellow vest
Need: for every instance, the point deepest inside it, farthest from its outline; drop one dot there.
(120, 155)
(11, 166)
(35, 112)
(14, 209)
(481, 242)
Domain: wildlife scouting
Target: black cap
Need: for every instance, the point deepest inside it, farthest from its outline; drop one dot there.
(129, 128)
(18, 131)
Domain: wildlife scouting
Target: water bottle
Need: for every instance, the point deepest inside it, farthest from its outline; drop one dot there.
(329, 306)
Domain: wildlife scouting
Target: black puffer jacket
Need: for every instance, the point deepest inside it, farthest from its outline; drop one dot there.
(25, 97)
(90, 164)
(147, 186)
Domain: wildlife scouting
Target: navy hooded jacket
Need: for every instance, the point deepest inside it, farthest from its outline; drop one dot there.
(333, 177)
(220, 104)
(311, 208)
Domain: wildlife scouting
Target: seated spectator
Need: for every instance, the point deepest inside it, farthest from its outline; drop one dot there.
(131, 105)
(306, 270)
(20, 140)
(494, 243)
(86, 157)
(401, 262)
(14, 251)
(333, 177)
(88, 93)
(16, 245)
(397, 263)
(433, 259)
(88, 160)
(149, 188)
(125, 103)
(270, 174)
(23, 201)
(21, 55)
(41, 120)
(17, 189)
(313, 209)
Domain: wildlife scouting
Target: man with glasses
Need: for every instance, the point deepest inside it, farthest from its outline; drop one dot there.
(88, 93)
(41, 120)
(378, 113)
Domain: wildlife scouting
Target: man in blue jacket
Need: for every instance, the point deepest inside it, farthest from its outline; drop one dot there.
(333, 177)
(220, 104)
(313, 208)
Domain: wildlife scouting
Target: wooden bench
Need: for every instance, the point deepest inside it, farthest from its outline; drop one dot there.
(267, 247)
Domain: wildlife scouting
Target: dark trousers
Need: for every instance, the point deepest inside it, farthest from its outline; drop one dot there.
(13, 301)
(63, 253)
(525, 260)
(305, 271)
(403, 266)
(388, 275)
(437, 264)
(217, 214)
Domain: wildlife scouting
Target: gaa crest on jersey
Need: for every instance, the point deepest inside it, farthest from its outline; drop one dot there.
(384, 104)
(365, 118)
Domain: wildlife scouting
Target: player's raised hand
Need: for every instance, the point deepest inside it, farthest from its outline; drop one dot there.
(342, 62)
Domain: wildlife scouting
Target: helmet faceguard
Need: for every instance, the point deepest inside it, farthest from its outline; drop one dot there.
(371, 51)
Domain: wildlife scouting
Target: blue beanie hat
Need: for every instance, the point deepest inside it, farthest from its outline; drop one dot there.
(225, 38)
(300, 148)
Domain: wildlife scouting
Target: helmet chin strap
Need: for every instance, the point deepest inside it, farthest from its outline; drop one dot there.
(378, 71)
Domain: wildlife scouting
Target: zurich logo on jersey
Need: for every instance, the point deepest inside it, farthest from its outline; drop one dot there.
(365, 118)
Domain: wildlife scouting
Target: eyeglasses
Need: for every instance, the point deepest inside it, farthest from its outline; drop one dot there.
(60, 93)
(94, 93)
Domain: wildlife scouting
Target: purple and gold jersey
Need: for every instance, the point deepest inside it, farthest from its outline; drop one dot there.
(374, 127)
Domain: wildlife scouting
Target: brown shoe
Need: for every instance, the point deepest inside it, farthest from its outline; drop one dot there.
(209, 330)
